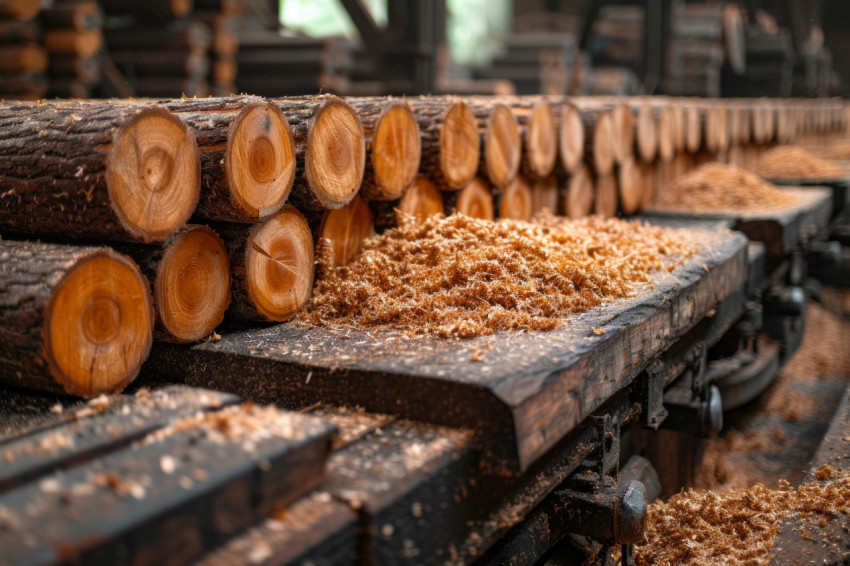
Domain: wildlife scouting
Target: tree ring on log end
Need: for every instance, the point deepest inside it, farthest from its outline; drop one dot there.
(502, 146)
(260, 160)
(571, 139)
(666, 133)
(647, 133)
(153, 174)
(279, 265)
(460, 145)
(541, 140)
(603, 144)
(396, 150)
(516, 200)
(192, 285)
(336, 153)
(606, 200)
(580, 194)
(624, 132)
(98, 325)
(346, 228)
(476, 200)
(631, 186)
(421, 199)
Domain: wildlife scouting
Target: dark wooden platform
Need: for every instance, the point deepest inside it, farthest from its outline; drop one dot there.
(529, 391)
(840, 189)
(781, 229)
(202, 471)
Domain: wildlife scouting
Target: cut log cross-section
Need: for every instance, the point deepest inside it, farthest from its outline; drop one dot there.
(570, 138)
(580, 194)
(272, 267)
(665, 120)
(607, 197)
(330, 151)
(544, 195)
(538, 125)
(515, 200)
(393, 147)
(341, 233)
(107, 170)
(421, 199)
(598, 139)
(646, 131)
(474, 200)
(631, 187)
(451, 144)
(501, 141)
(72, 320)
(715, 128)
(190, 277)
(693, 128)
(624, 131)
(23, 59)
(247, 156)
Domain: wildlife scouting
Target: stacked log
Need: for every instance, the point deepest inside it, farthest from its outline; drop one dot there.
(73, 35)
(23, 59)
(162, 59)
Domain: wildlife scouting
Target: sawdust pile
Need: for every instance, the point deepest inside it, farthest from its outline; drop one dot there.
(792, 162)
(717, 186)
(461, 277)
(738, 527)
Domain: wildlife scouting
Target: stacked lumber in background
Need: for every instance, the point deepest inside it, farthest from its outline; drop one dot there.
(131, 221)
(696, 51)
(221, 16)
(160, 52)
(23, 59)
(73, 37)
(618, 37)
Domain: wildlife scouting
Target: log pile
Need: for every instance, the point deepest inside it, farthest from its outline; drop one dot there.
(273, 188)
(73, 37)
(23, 59)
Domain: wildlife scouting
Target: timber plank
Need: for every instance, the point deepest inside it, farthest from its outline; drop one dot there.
(177, 493)
(530, 390)
(780, 229)
(103, 425)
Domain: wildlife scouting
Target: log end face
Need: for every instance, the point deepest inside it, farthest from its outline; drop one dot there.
(603, 144)
(192, 286)
(571, 139)
(421, 199)
(396, 150)
(631, 187)
(502, 147)
(279, 265)
(336, 154)
(153, 174)
(624, 131)
(98, 325)
(580, 194)
(460, 145)
(606, 201)
(345, 229)
(260, 160)
(476, 200)
(541, 142)
(516, 200)
(693, 129)
(544, 195)
(647, 134)
(666, 134)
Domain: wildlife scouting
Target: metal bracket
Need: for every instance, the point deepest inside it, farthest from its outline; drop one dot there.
(693, 403)
(605, 455)
(651, 395)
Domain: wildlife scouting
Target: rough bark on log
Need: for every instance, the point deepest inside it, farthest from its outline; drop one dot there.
(72, 320)
(451, 144)
(474, 200)
(272, 267)
(247, 156)
(330, 151)
(190, 278)
(122, 170)
(393, 147)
